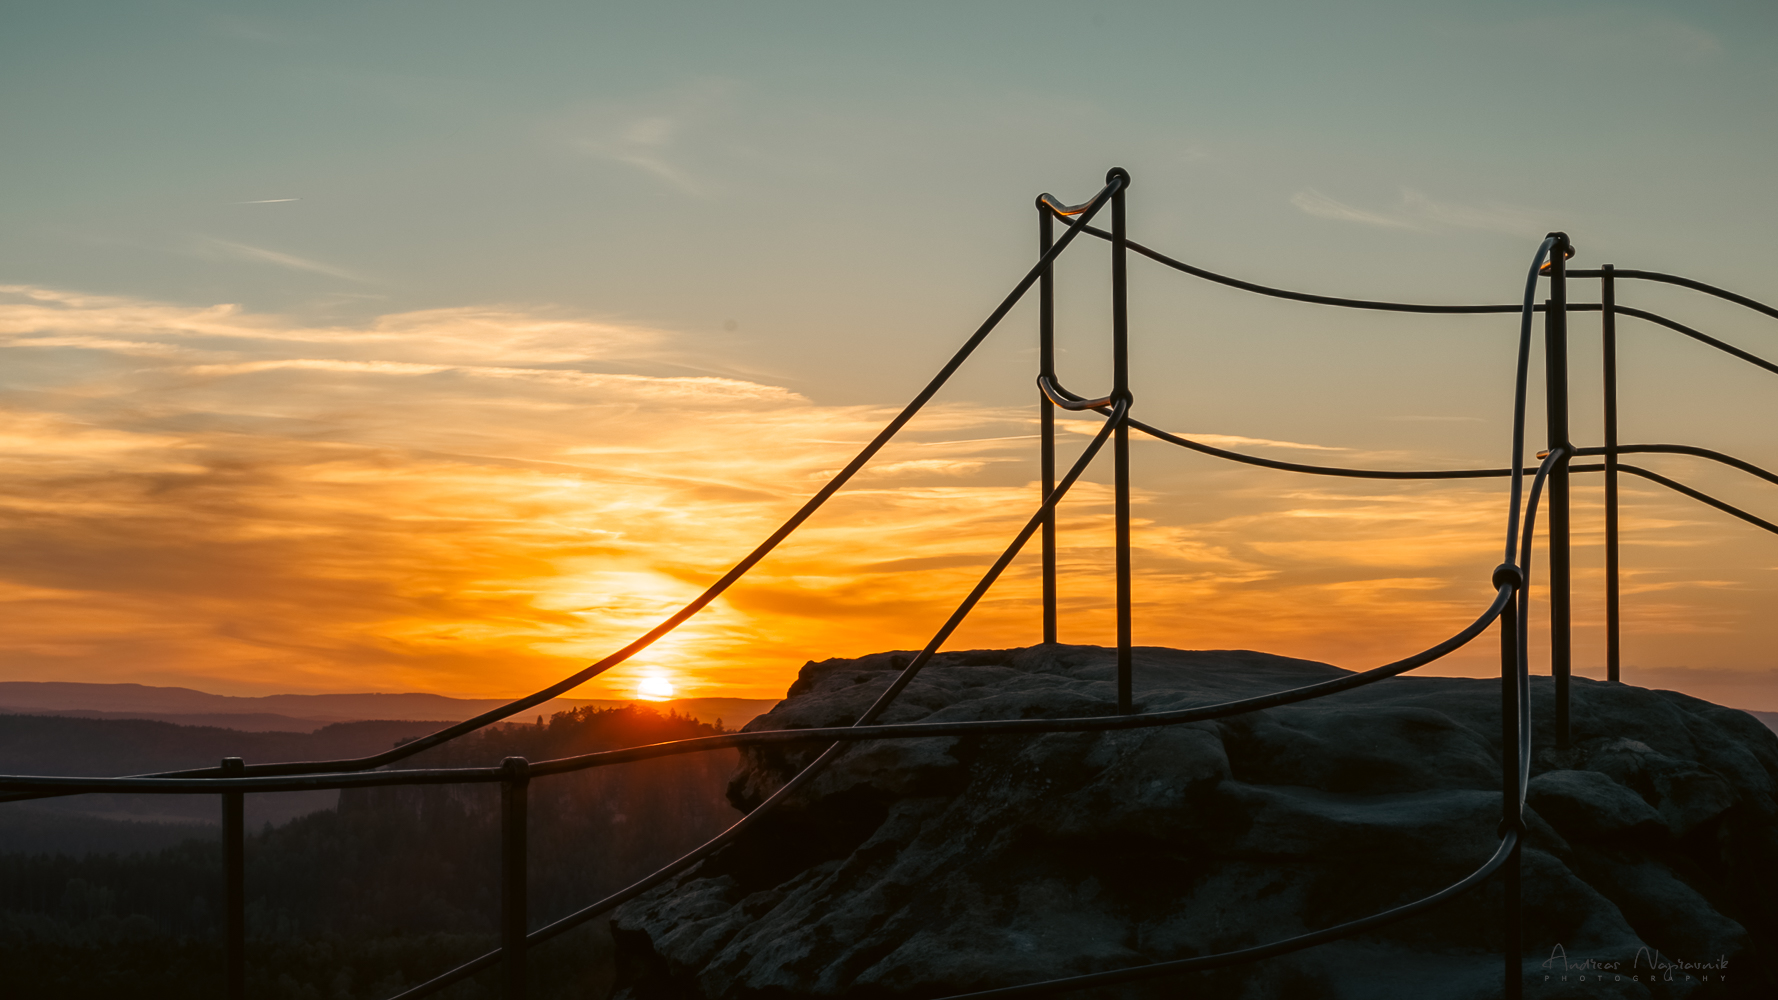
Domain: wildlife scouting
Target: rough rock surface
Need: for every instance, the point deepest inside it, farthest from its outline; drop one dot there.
(929, 867)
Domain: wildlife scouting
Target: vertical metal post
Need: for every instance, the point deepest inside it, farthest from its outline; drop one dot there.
(1512, 920)
(1046, 410)
(1120, 389)
(234, 885)
(1555, 343)
(1608, 321)
(514, 785)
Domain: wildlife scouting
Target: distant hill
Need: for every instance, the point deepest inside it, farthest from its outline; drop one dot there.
(44, 744)
(73, 742)
(309, 712)
(1769, 718)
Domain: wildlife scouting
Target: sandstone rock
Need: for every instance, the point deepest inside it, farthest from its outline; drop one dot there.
(928, 867)
(1589, 803)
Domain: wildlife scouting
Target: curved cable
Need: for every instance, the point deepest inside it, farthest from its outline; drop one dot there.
(858, 732)
(1656, 318)
(1415, 307)
(1699, 496)
(1076, 402)
(1674, 279)
(716, 589)
(1004, 727)
(1523, 620)
(1434, 474)
(1067, 400)
(1284, 293)
(1055, 205)
(1419, 307)
(863, 730)
(819, 763)
(1509, 841)
(1683, 449)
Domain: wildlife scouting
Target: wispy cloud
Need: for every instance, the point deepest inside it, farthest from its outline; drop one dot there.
(465, 501)
(1417, 211)
(651, 134)
(1317, 204)
(291, 261)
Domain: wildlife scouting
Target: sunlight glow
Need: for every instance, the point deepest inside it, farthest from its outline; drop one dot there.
(501, 523)
(654, 689)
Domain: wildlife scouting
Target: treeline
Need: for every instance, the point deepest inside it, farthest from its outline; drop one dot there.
(41, 744)
(389, 889)
(58, 744)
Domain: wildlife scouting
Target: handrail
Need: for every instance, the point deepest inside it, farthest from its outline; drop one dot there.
(1067, 400)
(843, 735)
(1113, 184)
(1420, 307)
(1433, 474)
(1510, 607)
(819, 763)
(1283, 293)
(1684, 449)
(776, 737)
(1055, 205)
(1674, 279)
(1415, 307)
(1697, 495)
(1643, 314)
(1509, 841)
(170, 785)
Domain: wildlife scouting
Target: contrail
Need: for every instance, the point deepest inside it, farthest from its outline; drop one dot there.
(267, 201)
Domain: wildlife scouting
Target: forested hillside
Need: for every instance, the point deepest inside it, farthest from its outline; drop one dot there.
(34, 744)
(391, 887)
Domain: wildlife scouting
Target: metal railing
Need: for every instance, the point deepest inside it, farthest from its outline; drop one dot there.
(1509, 607)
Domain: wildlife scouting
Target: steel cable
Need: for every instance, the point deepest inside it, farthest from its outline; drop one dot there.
(1509, 837)
(714, 590)
(861, 730)
(301, 775)
(1674, 279)
(819, 763)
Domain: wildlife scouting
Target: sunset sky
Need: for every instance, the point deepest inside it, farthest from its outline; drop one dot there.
(446, 347)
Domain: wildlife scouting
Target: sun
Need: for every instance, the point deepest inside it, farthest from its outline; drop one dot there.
(654, 689)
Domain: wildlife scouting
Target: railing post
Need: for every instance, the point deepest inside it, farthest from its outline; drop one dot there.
(514, 785)
(1608, 321)
(234, 885)
(1046, 410)
(1511, 919)
(1555, 342)
(1120, 389)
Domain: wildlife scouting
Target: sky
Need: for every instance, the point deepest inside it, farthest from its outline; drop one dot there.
(446, 347)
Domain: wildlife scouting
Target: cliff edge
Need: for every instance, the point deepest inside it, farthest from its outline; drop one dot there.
(928, 867)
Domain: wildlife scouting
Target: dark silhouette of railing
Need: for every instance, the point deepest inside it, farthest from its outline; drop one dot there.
(1510, 607)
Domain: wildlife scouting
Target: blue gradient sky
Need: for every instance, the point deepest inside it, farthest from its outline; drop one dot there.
(819, 200)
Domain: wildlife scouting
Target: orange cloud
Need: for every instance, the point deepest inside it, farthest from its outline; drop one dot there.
(476, 502)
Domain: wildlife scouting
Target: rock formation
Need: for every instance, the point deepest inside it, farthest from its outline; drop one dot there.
(928, 867)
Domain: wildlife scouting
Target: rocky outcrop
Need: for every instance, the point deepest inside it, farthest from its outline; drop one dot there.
(928, 867)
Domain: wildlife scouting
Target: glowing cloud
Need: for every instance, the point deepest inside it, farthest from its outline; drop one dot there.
(453, 501)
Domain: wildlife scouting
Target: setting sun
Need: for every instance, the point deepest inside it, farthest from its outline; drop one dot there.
(654, 689)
